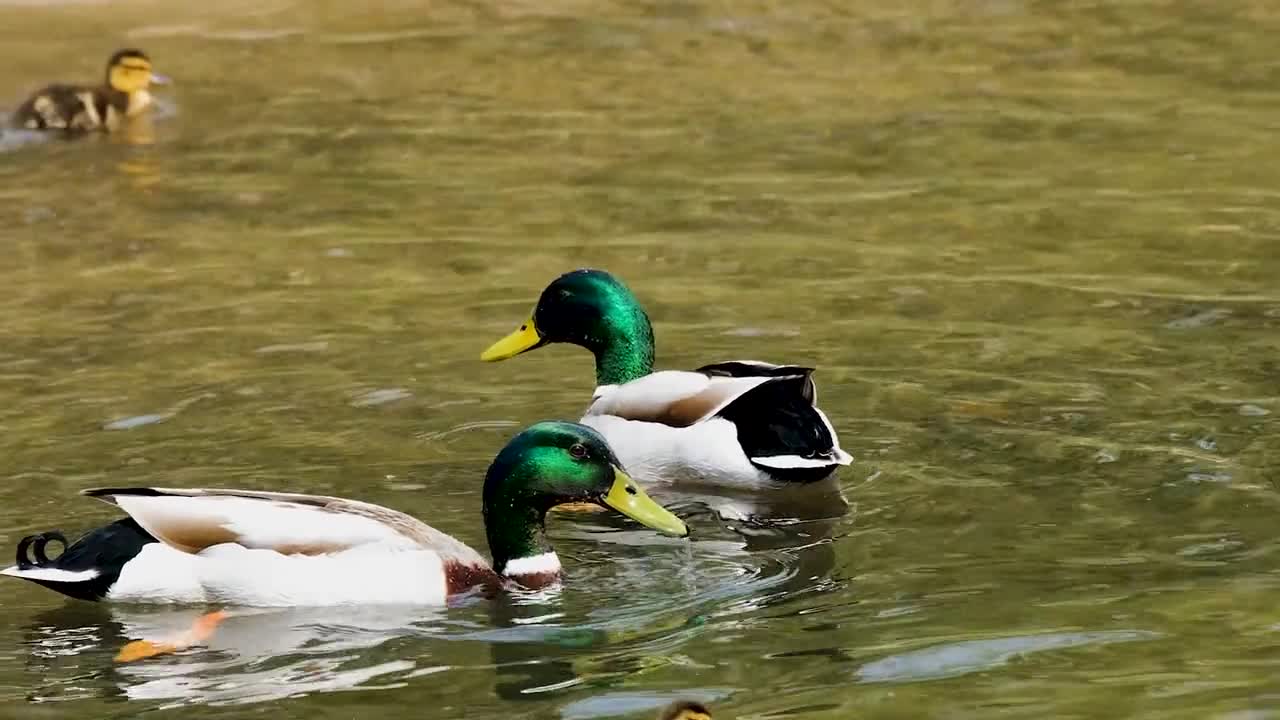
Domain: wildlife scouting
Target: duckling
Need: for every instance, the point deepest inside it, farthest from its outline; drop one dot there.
(685, 710)
(80, 108)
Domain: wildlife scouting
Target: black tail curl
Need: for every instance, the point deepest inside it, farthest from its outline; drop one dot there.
(104, 551)
(31, 549)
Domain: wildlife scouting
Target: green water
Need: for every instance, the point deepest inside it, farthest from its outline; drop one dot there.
(1032, 247)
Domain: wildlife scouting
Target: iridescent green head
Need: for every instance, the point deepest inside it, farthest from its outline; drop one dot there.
(549, 464)
(593, 309)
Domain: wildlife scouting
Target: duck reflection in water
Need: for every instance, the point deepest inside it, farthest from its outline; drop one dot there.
(730, 568)
(256, 655)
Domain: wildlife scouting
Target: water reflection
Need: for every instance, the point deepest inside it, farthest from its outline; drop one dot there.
(13, 139)
(259, 656)
(952, 659)
(614, 704)
(518, 649)
(1033, 274)
(719, 574)
(757, 510)
(255, 655)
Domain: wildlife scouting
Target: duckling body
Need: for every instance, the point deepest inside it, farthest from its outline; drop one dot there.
(741, 423)
(83, 108)
(685, 710)
(253, 548)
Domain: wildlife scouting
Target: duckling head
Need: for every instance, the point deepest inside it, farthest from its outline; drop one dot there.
(685, 710)
(129, 71)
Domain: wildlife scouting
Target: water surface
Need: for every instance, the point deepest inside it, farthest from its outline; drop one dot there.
(1031, 246)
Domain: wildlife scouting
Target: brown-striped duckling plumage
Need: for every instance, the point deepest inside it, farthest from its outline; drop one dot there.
(124, 93)
(685, 710)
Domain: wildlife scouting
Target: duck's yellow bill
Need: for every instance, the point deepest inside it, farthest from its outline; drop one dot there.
(627, 498)
(525, 338)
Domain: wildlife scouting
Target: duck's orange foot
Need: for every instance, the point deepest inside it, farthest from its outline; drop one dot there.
(201, 630)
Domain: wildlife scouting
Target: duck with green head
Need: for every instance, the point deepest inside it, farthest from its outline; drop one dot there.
(124, 93)
(250, 548)
(741, 423)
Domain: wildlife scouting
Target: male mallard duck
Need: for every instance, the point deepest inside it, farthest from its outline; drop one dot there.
(744, 422)
(685, 710)
(83, 108)
(275, 549)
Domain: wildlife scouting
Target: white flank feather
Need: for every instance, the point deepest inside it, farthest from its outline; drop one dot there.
(367, 575)
(159, 574)
(708, 452)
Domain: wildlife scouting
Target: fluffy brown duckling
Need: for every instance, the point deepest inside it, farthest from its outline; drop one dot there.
(685, 710)
(82, 108)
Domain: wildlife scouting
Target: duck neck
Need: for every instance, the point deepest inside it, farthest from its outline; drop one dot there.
(139, 100)
(515, 525)
(624, 348)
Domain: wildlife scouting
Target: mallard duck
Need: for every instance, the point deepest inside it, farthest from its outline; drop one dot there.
(685, 710)
(85, 108)
(742, 423)
(248, 548)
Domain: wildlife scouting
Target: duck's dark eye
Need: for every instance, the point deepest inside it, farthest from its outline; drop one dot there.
(578, 450)
(524, 327)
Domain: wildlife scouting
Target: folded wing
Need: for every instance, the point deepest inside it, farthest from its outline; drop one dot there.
(291, 524)
(671, 397)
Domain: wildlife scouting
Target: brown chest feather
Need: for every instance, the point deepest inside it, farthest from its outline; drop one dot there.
(536, 581)
(461, 577)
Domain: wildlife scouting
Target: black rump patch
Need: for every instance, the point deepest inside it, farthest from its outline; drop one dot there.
(777, 418)
(105, 549)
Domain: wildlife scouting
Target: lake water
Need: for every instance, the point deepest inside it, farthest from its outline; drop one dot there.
(1032, 247)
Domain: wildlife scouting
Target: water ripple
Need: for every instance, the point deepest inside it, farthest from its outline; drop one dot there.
(952, 659)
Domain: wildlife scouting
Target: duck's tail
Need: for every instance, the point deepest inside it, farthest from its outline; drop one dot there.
(783, 432)
(84, 570)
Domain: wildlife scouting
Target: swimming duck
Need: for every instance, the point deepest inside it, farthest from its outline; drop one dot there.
(685, 710)
(247, 548)
(125, 94)
(742, 423)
